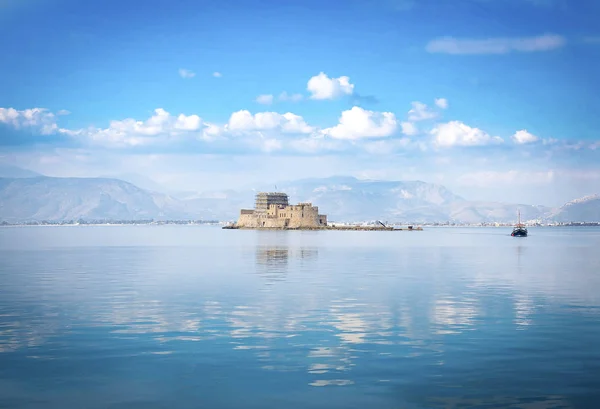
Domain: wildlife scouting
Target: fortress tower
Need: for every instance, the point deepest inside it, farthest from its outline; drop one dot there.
(263, 200)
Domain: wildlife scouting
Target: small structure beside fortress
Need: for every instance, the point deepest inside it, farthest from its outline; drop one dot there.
(272, 211)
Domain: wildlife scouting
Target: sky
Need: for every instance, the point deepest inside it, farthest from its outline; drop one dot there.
(494, 99)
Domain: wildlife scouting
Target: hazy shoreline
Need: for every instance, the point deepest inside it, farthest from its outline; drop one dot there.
(342, 225)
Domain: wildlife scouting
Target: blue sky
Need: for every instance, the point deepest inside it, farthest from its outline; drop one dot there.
(504, 94)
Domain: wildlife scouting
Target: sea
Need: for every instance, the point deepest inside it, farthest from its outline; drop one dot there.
(180, 316)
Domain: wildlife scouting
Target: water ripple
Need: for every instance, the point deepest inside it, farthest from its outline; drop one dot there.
(444, 322)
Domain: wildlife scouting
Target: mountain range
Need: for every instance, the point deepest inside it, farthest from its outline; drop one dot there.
(585, 209)
(28, 196)
(55, 199)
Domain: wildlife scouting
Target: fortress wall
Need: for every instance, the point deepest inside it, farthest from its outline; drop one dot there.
(247, 220)
(303, 216)
(260, 219)
(274, 223)
(273, 210)
(278, 216)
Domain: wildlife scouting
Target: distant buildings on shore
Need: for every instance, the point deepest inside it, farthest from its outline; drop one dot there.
(221, 223)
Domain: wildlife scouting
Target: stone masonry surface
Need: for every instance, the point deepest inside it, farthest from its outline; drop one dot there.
(273, 211)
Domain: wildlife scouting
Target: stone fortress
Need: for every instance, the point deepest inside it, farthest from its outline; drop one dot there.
(272, 211)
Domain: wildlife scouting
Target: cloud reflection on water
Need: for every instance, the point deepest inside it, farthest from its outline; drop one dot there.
(326, 312)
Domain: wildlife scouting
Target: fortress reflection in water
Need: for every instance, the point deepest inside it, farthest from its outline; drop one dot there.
(272, 261)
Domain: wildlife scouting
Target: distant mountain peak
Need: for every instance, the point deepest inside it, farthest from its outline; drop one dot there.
(12, 171)
(584, 209)
(584, 199)
(53, 199)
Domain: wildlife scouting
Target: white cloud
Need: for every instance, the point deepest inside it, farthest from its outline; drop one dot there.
(63, 112)
(265, 99)
(574, 145)
(322, 87)
(183, 73)
(378, 148)
(188, 123)
(159, 127)
(441, 103)
(450, 45)
(358, 123)
(584, 175)
(211, 132)
(270, 145)
(217, 74)
(522, 137)
(284, 96)
(408, 128)
(268, 99)
(39, 118)
(268, 121)
(272, 131)
(384, 147)
(420, 112)
(315, 145)
(308, 145)
(549, 141)
(457, 133)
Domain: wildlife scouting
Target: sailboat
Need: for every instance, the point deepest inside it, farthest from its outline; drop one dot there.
(519, 230)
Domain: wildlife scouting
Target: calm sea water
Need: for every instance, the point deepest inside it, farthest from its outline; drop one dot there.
(199, 317)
